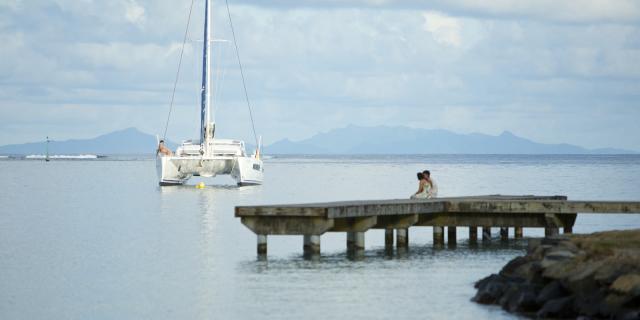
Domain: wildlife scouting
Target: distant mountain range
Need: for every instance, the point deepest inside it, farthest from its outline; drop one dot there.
(404, 140)
(127, 141)
(348, 140)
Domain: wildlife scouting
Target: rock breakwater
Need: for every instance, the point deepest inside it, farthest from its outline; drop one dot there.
(570, 276)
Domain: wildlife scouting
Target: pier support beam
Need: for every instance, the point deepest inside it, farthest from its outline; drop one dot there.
(452, 236)
(517, 232)
(504, 234)
(473, 234)
(402, 238)
(355, 240)
(262, 244)
(553, 224)
(438, 236)
(486, 233)
(351, 240)
(311, 244)
(388, 238)
(551, 231)
(567, 230)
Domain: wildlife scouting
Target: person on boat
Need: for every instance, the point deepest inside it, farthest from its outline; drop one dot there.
(163, 149)
(423, 188)
(433, 187)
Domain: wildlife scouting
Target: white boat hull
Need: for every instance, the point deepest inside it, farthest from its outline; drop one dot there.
(176, 170)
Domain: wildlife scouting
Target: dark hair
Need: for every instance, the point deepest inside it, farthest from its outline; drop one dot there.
(161, 141)
(426, 173)
(420, 176)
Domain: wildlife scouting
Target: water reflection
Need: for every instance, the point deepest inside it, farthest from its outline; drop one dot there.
(378, 257)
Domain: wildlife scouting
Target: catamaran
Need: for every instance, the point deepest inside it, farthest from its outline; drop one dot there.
(210, 156)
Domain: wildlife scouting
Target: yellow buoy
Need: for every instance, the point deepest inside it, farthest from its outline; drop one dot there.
(200, 185)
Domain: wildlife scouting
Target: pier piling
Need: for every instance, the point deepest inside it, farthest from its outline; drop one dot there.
(517, 232)
(358, 238)
(452, 237)
(473, 234)
(438, 236)
(388, 238)
(311, 244)
(402, 238)
(504, 234)
(351, 240)
(262, 244)
(486, 233)
(551, 232)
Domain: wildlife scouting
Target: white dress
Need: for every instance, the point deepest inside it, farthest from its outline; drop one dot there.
(424, 194)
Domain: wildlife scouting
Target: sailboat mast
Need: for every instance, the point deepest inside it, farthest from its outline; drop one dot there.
(205, 92)
(209, 58)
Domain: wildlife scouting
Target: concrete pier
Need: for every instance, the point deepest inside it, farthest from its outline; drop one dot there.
(551, 232)
(504, 234)
(358, 240)
(262, 244)
(452, 236)
(388, 238)
(402, 238)
(486, 233)
(312, 220)
(351, 240)
(517, 232)
(438, 236)
(311, 244)
(473, 234)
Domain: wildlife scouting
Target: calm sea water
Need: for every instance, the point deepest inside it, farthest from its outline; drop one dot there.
(100, 240)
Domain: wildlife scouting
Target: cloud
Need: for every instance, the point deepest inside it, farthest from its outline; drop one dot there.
(445, 30)
(134, 12)
(577, 11)
(529, 67)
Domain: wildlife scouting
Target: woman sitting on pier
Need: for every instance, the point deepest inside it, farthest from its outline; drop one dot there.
(423, 188)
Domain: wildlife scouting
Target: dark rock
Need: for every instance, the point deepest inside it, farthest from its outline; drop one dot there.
(557, 308)
(491, 290)
(535, 273)
(568, 245)
(483, 282)
(560, 254)
(509, 293)
(613, 303)
(526, 302)
(591, 303)
(615, 268)
(555, 257)
(632, 302)
(581, 279)
(553, 290)
(628, 284)
(520, 299)
(554, 240)
(532, 245)
(514, 268)
(628, 315)
(586, 276)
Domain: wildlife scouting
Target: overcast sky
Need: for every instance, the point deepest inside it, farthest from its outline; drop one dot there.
(551, 71)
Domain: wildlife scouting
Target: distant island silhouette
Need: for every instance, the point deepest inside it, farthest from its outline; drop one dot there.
(348, 140)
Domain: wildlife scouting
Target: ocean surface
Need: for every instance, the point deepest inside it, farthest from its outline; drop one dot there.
(99, 239)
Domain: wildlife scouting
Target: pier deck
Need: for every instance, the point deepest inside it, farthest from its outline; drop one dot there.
(311, 220)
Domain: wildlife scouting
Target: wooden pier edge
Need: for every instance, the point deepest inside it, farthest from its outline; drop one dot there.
(356, 217)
